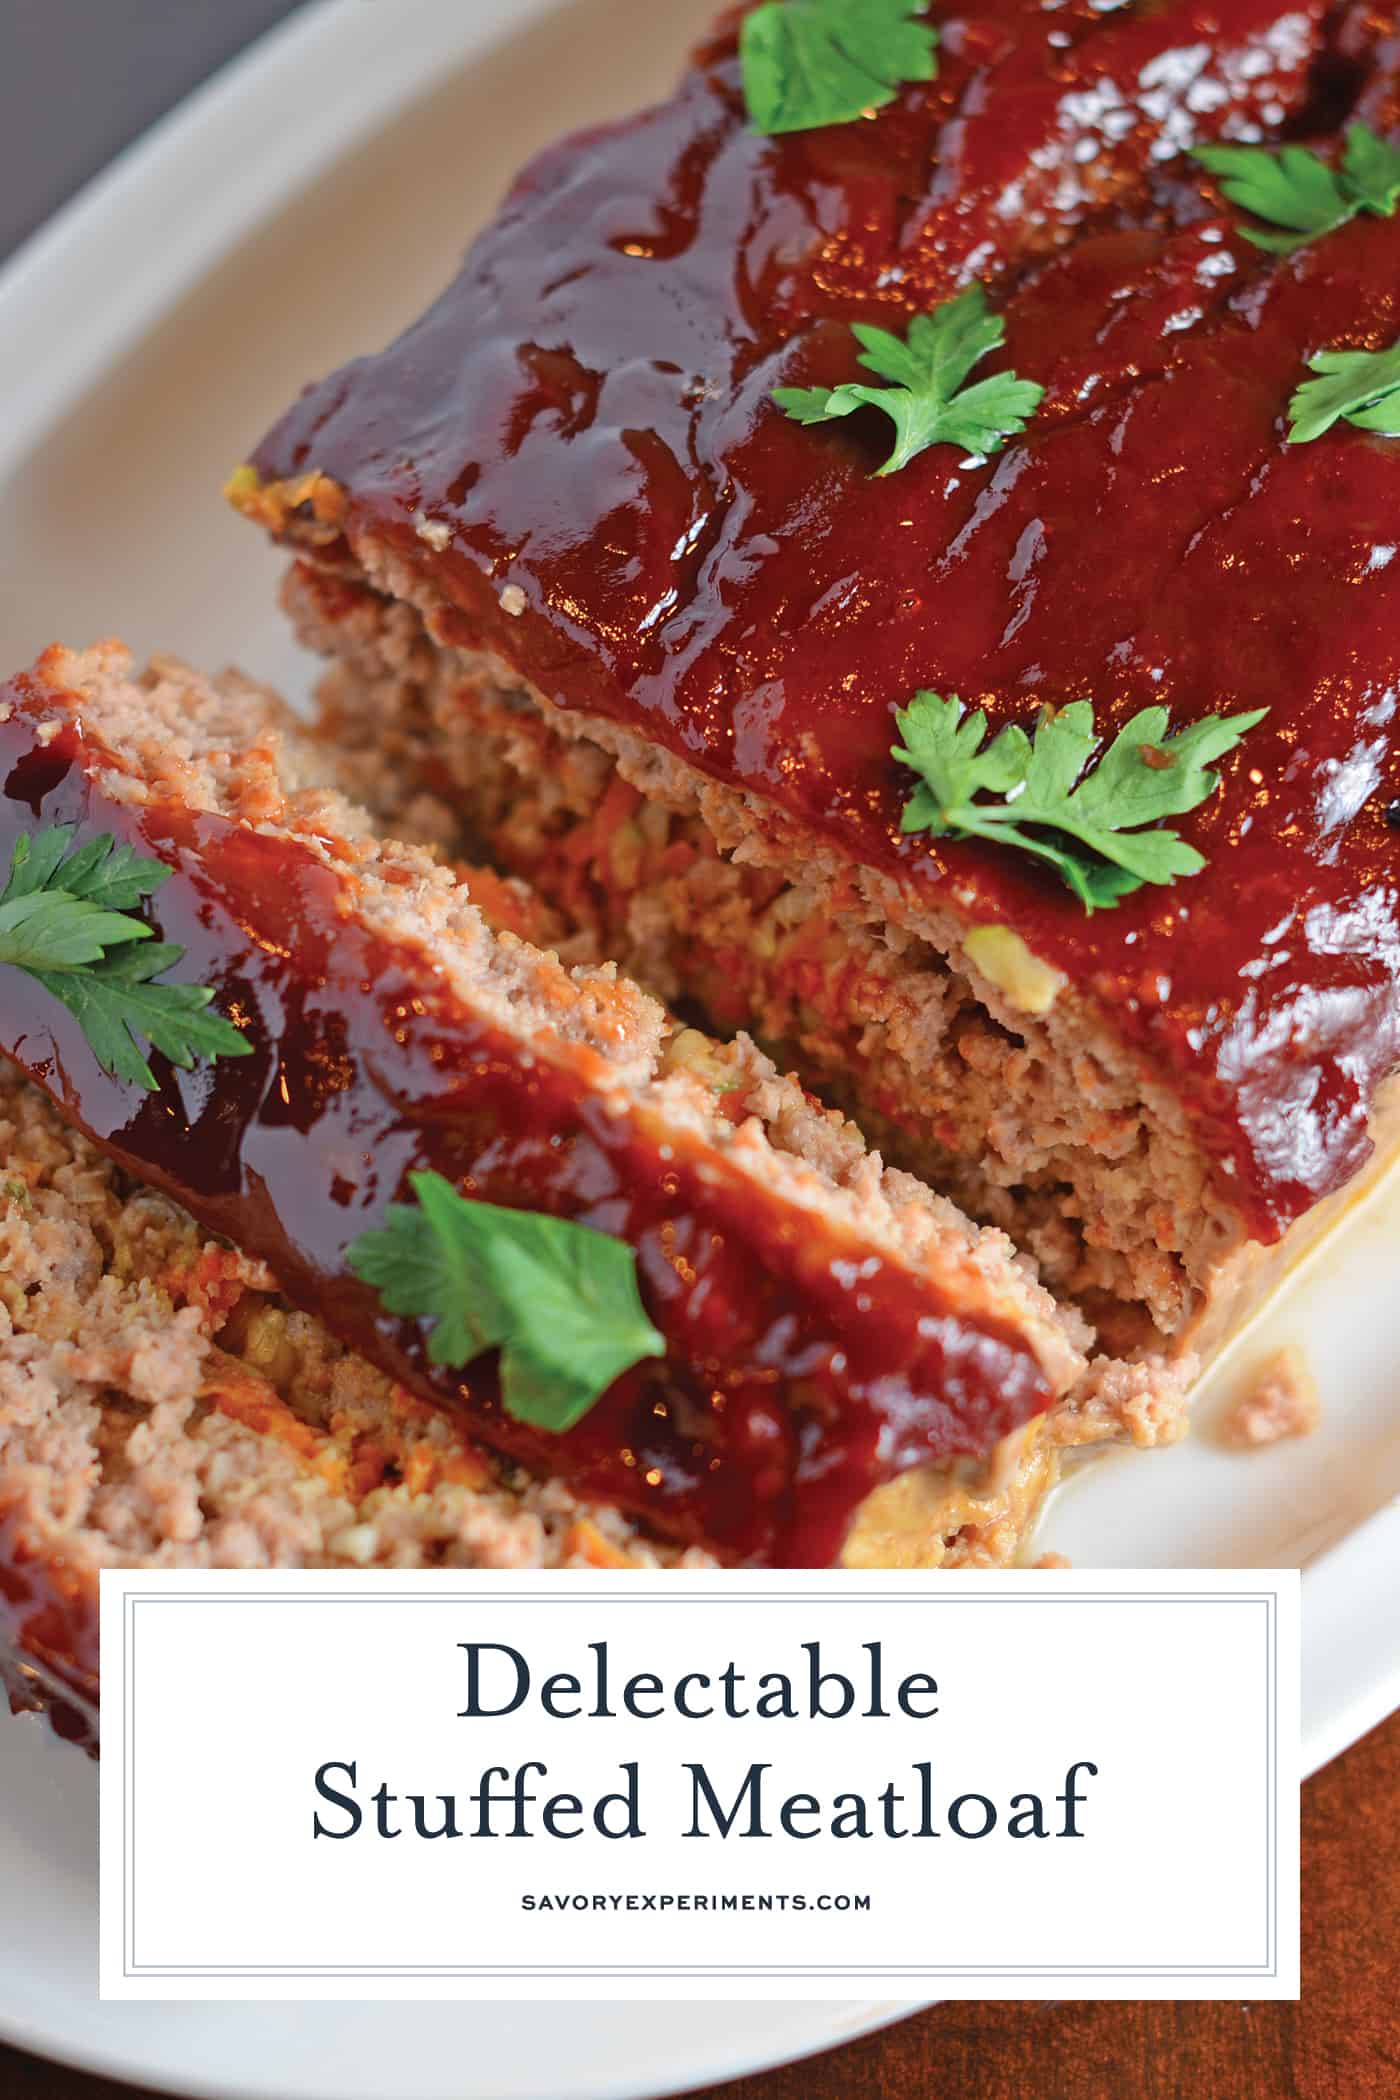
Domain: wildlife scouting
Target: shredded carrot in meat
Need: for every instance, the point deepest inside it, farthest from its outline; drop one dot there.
(246, 1396)
(616, 807)
(587, 1542)
(508, 908)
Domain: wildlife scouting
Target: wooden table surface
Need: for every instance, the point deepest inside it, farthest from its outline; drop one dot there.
(1341, 2043)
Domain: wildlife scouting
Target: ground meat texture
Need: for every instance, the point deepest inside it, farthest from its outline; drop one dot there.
(967, 1063)
(828, 1323)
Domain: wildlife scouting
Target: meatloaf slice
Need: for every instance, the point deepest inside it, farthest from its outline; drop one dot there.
(162, 1405)
(828, 1323)
(659, 631)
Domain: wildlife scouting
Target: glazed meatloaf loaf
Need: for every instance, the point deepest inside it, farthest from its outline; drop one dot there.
(199, 1367)
(654, 632)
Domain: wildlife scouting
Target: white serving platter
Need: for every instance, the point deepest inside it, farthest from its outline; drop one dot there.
(297, 210)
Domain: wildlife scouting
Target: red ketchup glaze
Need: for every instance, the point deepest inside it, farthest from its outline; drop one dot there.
(802, 1371)
(587, 409)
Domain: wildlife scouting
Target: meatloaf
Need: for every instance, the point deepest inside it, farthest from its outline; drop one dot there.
(624, 633)
(193, 1374)
(649, 633)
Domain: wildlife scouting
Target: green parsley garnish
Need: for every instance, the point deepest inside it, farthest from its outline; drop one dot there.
(1355, 386)
(811, 62)
(1048, 782)
(926, 399)
(1293, 188)
(65, 920)
(559, 1300)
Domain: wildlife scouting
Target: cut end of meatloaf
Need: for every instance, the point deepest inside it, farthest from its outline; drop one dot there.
(967, 1059)
(228, 747)
(165, 1402)
(896, 1331)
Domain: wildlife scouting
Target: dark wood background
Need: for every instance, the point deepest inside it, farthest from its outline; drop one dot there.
(1342, 2042)
(78, 78)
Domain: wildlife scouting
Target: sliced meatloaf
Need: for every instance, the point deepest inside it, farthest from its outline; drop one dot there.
(163, 1405)
(651, 633)
(189, 1376)
(827, 1323)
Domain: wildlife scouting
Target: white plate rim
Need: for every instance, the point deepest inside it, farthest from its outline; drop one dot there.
(195, 2085)
(193, 175)
(208, 174)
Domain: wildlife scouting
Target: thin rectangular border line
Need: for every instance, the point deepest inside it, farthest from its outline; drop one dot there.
(134, 1971)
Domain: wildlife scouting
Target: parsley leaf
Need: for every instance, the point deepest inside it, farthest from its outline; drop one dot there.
(1049, 783)
(1296, 190)
(1356, 386)
(812, 62)
(559, 1300)
(64, 921)
(926, 400)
